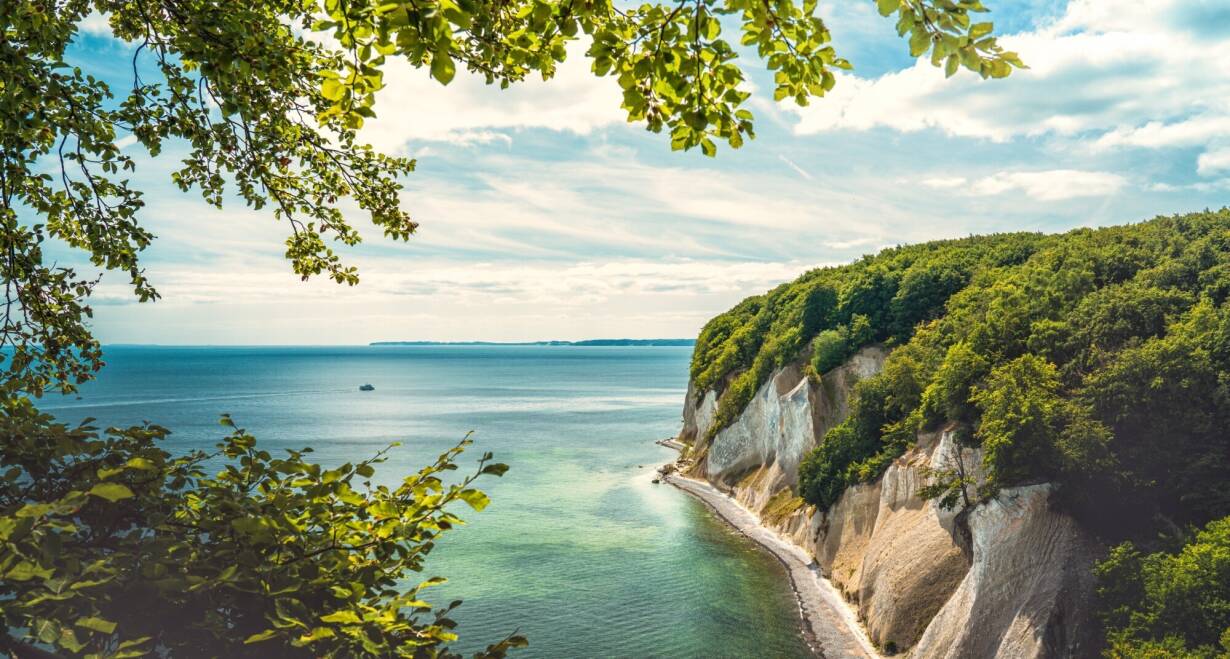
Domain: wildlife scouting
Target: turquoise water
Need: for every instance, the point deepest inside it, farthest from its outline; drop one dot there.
(579, 550)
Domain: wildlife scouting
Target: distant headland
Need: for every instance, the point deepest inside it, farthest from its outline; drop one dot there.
(588, 342)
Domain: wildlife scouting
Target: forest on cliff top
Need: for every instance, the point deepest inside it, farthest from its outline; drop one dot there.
(1098, 359)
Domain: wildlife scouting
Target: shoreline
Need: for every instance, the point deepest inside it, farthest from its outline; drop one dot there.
(830, 627)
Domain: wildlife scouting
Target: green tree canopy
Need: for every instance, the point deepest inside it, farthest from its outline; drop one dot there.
(1095, 358)
(1168, 604)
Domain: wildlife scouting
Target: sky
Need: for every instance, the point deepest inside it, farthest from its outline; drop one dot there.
(545, 215)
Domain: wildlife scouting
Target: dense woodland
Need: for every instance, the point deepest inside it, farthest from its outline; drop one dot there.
(1098, 359)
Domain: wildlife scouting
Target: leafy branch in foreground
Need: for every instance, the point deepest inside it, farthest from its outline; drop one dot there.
(113, 547)
(262, 100)
(672, 60)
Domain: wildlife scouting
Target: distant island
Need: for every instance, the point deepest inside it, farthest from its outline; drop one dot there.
(588, 342)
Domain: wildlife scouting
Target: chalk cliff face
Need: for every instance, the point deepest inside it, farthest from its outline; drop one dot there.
(758, 455)
(1009, 577)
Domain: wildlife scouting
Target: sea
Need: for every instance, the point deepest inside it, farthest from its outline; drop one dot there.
(579, 550)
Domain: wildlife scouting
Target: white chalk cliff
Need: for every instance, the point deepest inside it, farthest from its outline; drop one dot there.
(1009, 577)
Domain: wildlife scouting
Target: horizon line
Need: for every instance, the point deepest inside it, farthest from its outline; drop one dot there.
(131, 344)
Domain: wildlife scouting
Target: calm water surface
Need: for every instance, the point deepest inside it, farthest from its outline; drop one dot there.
(579, 551)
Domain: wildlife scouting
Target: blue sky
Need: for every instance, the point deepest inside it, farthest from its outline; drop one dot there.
(546, 216)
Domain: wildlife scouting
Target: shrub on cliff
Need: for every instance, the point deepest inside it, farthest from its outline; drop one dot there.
(878, 428)
(832, 347)
(1029, 428)
(1167, 604)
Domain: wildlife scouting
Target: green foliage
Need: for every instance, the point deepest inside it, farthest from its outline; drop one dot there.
(1168, 604)
(830, 349)
(1020, 403)
(1096, 358)
(879, 427)
(837, 311)
(114, 546)
(780, 506)
(949, 487)
(676, 66)
(745, 345)
(1167, 401)
(948, 394)
(238, 84)
(833, 347)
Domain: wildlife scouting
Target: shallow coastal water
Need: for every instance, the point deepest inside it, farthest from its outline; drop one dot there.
(579, 550)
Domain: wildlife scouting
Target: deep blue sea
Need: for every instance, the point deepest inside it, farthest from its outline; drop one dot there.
(579, 550)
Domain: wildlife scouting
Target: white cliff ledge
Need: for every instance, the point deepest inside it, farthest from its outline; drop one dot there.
(1009, 578)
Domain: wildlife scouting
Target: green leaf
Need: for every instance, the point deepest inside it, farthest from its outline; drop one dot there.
(143, 464)
(332, 90)
(25, 571)
(887, 7)
(46, 631)
(69, 641)
(475, 498)
(317, 634)
(96, 624)
(434, 581)
(111, 491)
(1013, 59)
(365, 470)
(978, 30)
(105, 473)
(132, 643)
(262, 636)
(442, 67)
(920, 41)
(344, 616)
(970, 58)
(950, 66)
(496, 469)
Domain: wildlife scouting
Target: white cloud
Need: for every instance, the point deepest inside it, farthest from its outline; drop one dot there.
(606, 201)
(945, 182)
(1115, 73)
(413, 107)
(1213, 162)
(245, 301)
(1217, 185)
(1193, 131)
(566, 284)
(849, 244)
(1049, 185)
(95, 24)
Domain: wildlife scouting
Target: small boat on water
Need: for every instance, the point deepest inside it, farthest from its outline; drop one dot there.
(366, 387)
